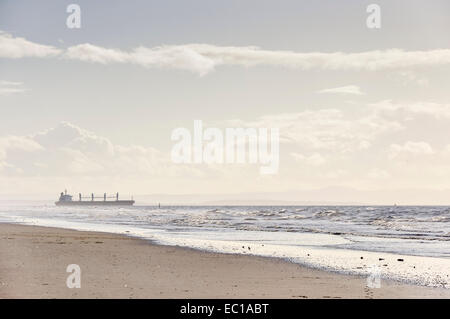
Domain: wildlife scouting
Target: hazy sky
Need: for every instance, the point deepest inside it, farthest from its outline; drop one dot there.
(92, 109)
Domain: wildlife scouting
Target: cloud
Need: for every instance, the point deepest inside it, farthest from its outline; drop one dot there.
(12, 83)
(187, 57)
(437, 110)
(15, 48)
(9, 87)
(349, 89)
(91, 53)
(410, 149)
(325, 129)
(10, 146)
(205, 58)
(68, 150)
(407, 77)
(25, 144)
(69, 136)
(4, 91)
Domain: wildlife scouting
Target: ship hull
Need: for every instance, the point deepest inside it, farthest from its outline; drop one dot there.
(96, 203)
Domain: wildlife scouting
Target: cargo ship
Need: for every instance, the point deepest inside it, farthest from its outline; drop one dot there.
(66, 200)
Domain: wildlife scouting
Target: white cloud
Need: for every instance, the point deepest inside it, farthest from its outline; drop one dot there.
(407, 77)
(4, 91)
(10, 146)
(16, 47)
(349, 89)
(91, 53)
(68, 150)
(13, 83)
(187, 57)
(410, 148)
(325, 129)
(25, 144)
(204, 58)
(9, 87)
(436, 110)
(69, 136)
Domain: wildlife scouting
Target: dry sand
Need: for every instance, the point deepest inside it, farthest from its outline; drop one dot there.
(33, 263)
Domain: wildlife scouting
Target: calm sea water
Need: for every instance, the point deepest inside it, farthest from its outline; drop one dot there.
(411, 230)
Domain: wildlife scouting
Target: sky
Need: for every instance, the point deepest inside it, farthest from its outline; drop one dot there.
(363, 114)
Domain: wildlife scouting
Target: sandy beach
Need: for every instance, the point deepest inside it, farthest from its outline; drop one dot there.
(33, 263)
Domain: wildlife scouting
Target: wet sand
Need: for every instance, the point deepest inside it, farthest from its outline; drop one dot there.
(33, 262)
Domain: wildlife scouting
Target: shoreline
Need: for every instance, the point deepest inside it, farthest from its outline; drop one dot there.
(312, 253)
(33, 262)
